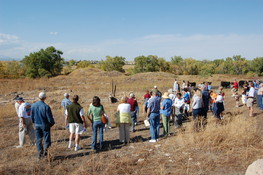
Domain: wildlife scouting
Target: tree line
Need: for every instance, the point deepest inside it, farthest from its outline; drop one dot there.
(49, 62)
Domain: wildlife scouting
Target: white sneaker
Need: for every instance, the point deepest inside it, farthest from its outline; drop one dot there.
(77, 148)
(69, 145)
(152, 141)
(19, 146)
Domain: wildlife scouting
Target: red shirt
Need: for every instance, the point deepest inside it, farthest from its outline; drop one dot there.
(146, 96)
(235, 85)
(133, 103)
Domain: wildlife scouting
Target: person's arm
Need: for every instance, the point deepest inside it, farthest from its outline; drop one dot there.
(89, 115)
(83, 117)
(66, 113)
(50, 116)
(148, 113)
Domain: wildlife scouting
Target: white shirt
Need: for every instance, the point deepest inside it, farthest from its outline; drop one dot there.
(17, 105)
(124, 108)
(219, 98)
(251, 92)
(175, 86)
(81, 112)
(24, 110)
(178, 103)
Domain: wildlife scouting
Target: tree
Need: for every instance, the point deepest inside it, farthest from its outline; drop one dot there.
(147, 64)
(256, 65)
(83, 64)
(113, 63)
(177, 65)
(46, 62)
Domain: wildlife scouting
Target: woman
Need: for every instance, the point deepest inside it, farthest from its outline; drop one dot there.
(166, 110)
(197, 104)
(124, 120)
(179, 110)
(95, 112)
(219, 105)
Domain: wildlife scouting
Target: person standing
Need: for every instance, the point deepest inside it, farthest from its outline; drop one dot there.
(153, 113)
(250, 98)
(64, 103)
(43, 119)
(133, 102)
(25, 122)
(95, 112)
(166, 110)
(179, 105)
(146, 97)
(76, 121)
(235, 88)
(260, 95)
(176, 86)
(125, 120)
(256, 86)
(206, 100)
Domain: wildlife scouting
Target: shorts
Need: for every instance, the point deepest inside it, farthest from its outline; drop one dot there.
(250, 102)
(234, 90)
(76, 128)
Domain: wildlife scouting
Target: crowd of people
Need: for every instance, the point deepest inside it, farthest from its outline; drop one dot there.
(173, 106)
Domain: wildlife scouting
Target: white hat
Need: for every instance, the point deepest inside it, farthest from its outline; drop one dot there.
(66, 94)
(155, 87)
(131, 95)
(166, 95)
(42, 95)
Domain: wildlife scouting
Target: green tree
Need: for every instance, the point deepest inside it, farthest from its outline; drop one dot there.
(256, 65)
(148, 64)
(46, 62)
(177, 63)
(113, 63)
(83, 64)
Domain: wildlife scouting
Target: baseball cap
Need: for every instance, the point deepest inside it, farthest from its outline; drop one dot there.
(66, 94)
(19, 99)
(42, 95)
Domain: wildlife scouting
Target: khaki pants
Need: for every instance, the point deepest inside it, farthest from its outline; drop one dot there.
(124, 131)
(28, 129)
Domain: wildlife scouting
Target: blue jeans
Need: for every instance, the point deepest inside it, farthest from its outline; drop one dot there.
(154, 125)
(95, 126)
(42, 132)
(134, 119)
(260, 99)
(197, 112)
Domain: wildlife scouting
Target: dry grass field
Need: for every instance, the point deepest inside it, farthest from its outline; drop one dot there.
(225, 148)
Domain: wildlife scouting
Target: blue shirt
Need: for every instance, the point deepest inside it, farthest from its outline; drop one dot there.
(167, 107)
(65, 102)
(42, 115)
(186, 97)
(154, 104)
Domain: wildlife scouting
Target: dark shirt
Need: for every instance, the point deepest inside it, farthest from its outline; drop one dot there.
(42, 115)
(73, 111)
(133, 103)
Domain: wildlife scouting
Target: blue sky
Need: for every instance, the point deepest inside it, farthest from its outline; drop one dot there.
(85, 29)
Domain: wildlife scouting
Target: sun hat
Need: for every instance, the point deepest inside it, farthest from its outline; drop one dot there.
(166, 95)
(155, 87)
(42, 95)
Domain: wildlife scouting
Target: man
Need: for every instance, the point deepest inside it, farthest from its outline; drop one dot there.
(25, 122)
(65, 102)
(260, 96)
(176, 86)
(256, 86)
(133, 102)
(43, 119)
(153, 113)
(250, 98)
(206, 100)
(75, 118)
(235, 88)
(158, 93)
